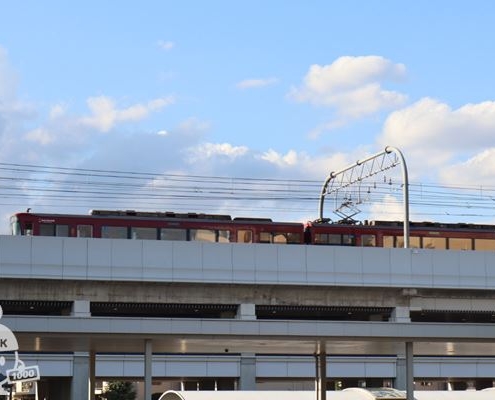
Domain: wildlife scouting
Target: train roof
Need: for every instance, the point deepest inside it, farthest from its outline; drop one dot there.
(153, 215)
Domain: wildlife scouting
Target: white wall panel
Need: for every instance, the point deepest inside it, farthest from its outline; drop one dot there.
(75, 258)
(217, 262)
(243, 263)
(421, 268)
(266, 258)
(349, 266)
(320, 265)
(446, 269)
(376, 266)
(127, 259)
(157, 260)
(100, 259)
(400, 267)
(187, 262)
(47, 256)
(291, 263)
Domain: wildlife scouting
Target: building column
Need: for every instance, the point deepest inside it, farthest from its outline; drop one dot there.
(405, 371)
(409, 371)
(92, 374)
(321, 372)
(400, 314)
(81, 308)
(247, 379)
(246, 311)
(80, 376)
(148, 358)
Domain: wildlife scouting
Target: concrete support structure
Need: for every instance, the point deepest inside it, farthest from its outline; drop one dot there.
(80, 376)
(92, 375)
(148, 354)
(400, 314)
(81, 308)
(247, 380)
(405, 371)
(246, 311)
(321, 373)
(409, 371)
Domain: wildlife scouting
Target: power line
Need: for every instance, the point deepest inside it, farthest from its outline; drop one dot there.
(65, 188)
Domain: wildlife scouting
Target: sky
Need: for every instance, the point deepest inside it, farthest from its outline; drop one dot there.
(283, 90)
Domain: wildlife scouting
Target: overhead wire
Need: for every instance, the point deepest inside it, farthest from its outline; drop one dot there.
(62, 188)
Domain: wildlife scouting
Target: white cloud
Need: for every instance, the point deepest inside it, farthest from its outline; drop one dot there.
(105, 115)
(213, 150)
(434, 135)
(352, 85)
(166, 45)
(40, 136)
(256, 83)
(390, 208)
(316, 132)
(290, 159)
(478, 170)
(57, 111)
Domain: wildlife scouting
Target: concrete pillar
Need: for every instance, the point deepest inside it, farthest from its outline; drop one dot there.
(92, 374)
(409, 371)
(246, 311)
(148, 357)
(80, 376)
(321, 375)
(247, 380)
(81, 308)
(400, 372)
(400, 314)
(405, 371)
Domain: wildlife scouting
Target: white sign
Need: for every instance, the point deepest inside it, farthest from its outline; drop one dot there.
(18, 372)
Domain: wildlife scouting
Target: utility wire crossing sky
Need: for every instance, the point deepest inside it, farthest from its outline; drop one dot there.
(286, 91)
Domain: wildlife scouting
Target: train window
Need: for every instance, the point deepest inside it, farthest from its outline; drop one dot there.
(203, 235)
(279, 238)
(388, 241)
(328, 238)
(414, 242)
(62, 230)
(114, 232)
(173, 234)
(54, 230)
(348, 240)
(460, 244)
(223, 236)
(265, 237)
(47, 230)
(434, 243)
(84, 230)
(484, 244)
(293, 238)
(368, 240)
(143, 233)
(244, 236)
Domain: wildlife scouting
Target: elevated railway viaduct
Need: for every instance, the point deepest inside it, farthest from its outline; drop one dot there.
(84, 308)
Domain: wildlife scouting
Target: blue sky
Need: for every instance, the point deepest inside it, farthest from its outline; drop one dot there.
(273, 89)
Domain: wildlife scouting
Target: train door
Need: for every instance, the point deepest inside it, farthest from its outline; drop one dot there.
(244, 236)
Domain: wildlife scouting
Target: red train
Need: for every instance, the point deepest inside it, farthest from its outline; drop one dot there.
(224, 228)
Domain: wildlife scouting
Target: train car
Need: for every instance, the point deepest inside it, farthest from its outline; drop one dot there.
(428, 235)
(158, 226)
(129, 224)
